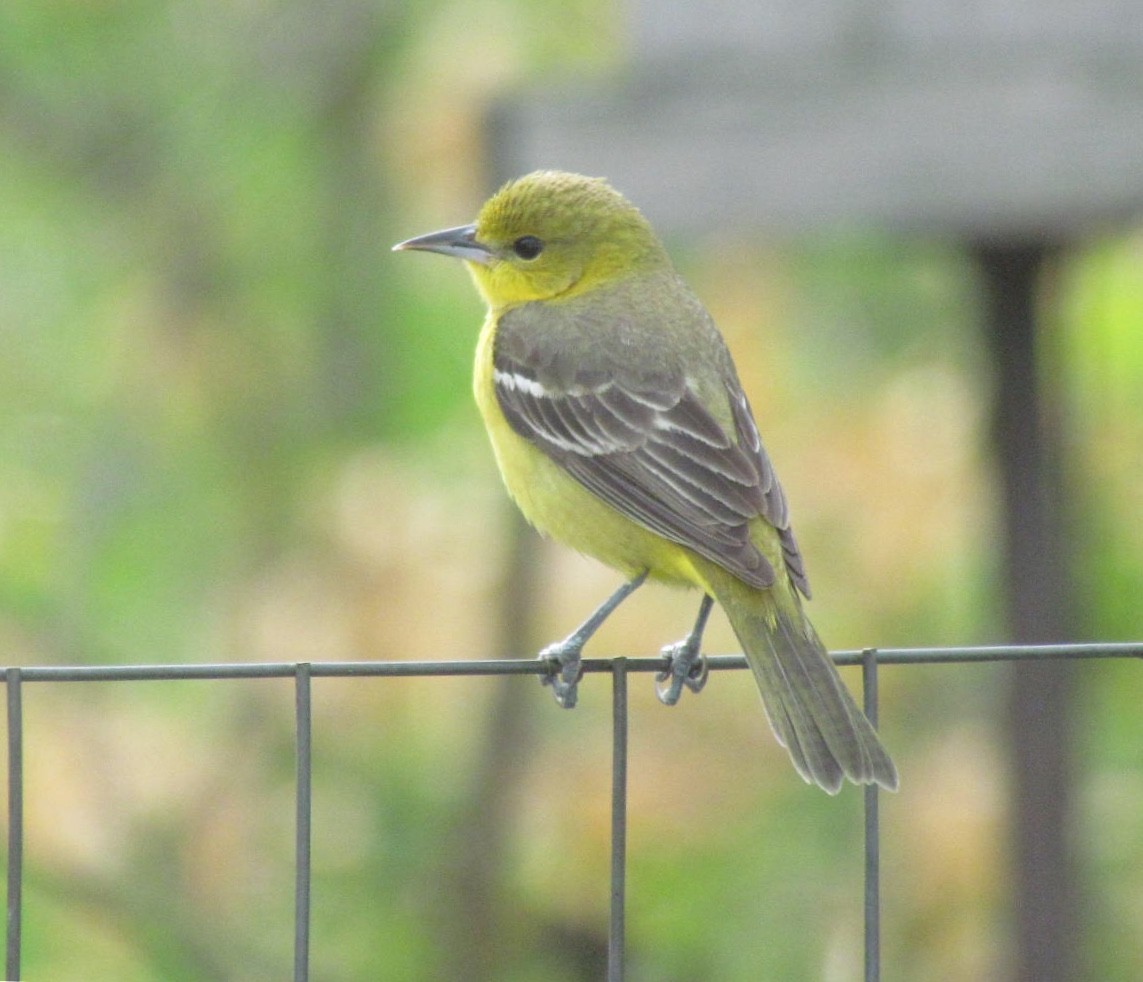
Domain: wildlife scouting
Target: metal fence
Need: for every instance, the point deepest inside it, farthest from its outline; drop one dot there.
(618, 668)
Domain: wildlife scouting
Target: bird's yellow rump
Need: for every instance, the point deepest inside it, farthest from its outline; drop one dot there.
(621, 429)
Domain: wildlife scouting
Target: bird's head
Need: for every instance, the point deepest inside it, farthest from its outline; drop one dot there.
(549, 235)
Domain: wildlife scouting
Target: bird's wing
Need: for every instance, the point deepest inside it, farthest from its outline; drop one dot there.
(641, 439)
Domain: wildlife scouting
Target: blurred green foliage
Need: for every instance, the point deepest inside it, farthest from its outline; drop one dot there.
(235, 428)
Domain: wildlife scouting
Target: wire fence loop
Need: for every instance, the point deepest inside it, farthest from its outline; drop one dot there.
(17, 678)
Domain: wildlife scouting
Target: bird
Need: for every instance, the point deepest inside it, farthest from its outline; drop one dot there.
(621, 429)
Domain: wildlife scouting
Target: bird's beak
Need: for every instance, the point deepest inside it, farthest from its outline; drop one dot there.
(459, 243)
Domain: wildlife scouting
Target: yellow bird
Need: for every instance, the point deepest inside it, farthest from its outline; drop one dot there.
(621, 429)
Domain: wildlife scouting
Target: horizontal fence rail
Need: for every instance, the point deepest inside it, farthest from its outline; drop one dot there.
(517, 666)
(619, 668)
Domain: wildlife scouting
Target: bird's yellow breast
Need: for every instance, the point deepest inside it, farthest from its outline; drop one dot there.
(557, 505)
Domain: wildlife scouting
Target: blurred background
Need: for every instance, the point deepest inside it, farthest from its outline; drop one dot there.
(236, 428)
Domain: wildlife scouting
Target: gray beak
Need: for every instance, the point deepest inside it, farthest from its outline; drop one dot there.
(459, 242)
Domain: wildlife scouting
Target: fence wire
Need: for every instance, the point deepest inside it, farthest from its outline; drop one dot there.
(619, 668)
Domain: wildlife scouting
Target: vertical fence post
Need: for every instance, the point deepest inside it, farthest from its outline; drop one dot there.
(872, 837)
(616, 941)
(302, 825)
(15, 821)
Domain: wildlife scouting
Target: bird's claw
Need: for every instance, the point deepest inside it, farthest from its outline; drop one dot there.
(687, 667)
(565, 669)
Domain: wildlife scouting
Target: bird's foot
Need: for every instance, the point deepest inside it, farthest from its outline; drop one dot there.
(565, 669)
(687, 667)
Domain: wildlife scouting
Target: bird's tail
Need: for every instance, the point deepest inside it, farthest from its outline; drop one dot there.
(810, 710)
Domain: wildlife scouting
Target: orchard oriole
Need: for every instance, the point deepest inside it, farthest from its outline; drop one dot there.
(621, 429)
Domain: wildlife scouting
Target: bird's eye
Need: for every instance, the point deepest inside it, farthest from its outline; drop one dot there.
(527, 247)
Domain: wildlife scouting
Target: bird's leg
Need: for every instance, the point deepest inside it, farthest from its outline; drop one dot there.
(687, 665)
(563, 657)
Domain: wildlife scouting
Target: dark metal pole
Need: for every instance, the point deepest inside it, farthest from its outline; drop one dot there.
(15, 822)
(1038, 594)
(303, 819)
(617, 935)
(872, 833)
